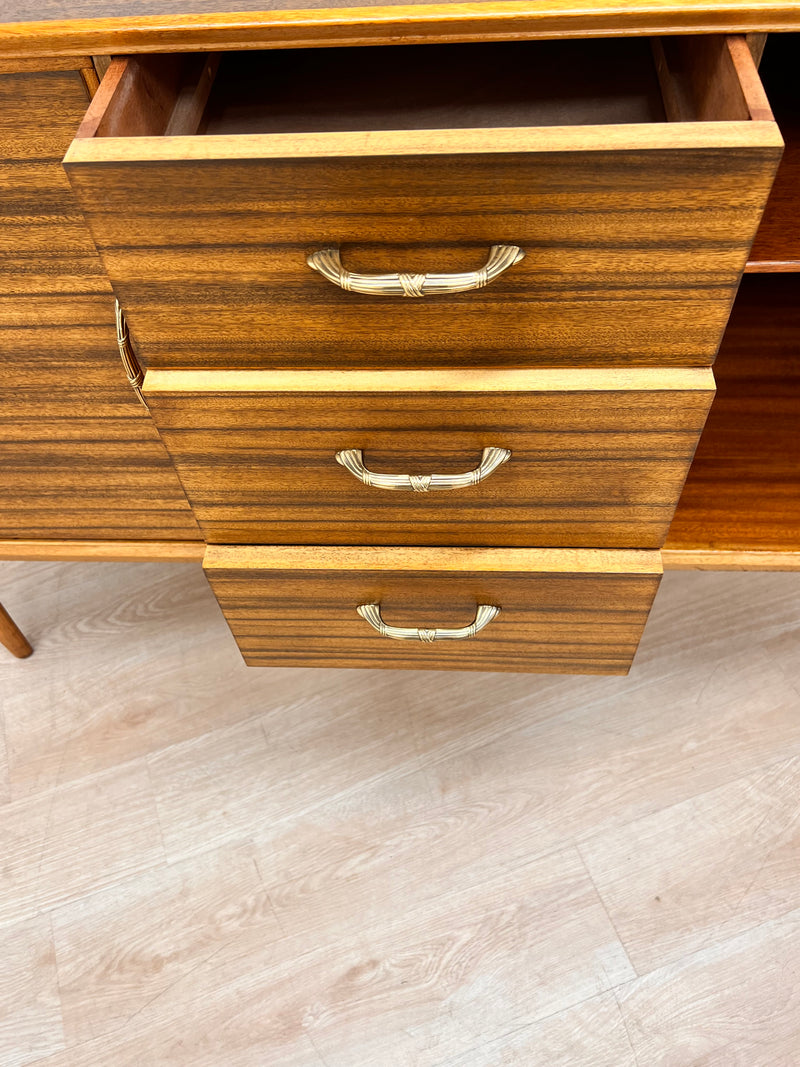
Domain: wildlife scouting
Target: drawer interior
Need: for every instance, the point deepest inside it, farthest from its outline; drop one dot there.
(518, 83)
(513, 84)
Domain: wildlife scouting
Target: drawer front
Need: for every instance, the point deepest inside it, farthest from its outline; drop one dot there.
(561, 611)
(634, 238)
(597, 458)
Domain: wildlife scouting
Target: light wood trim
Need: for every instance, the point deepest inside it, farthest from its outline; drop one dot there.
(689, 559)
(44, 64)
(119, 551)
(509, 560)
(469, 379)
(621, 138)
(192, 552)
(504, 19)
(772, 266)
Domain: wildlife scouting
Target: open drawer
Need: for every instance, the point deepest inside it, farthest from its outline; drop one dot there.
(531, 610)
(521, 203)
(572, 457)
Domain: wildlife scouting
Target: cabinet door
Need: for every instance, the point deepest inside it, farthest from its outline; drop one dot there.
(80, 458)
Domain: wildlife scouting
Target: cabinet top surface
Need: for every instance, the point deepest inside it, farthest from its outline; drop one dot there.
(625, 11)
(30, 28)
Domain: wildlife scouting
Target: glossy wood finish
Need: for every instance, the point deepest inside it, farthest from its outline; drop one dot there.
(635, 237)
(562, 611)
(140, 551)
(12, 637)
(743, 491)
(697, 559)
(777, 243)
(58, 27)
(598, 458)
(42, 64)
(80, 459)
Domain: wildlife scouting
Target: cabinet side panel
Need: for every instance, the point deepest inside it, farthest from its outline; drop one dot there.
(80, 457)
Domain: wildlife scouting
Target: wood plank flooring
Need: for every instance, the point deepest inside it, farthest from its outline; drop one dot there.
(205, 865)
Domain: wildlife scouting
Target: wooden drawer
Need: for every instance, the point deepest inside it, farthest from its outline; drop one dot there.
(632, 190)
(578, 611)
(598, 457)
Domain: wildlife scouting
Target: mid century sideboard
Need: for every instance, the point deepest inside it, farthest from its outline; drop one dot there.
(402, 319)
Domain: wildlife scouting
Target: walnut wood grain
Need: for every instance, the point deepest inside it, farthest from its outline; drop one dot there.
(79, 457)
(562, 611)
(597, 458)
(743, 490)
(635, 237)
(58, 27)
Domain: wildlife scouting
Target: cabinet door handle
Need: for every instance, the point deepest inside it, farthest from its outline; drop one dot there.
(328, 262)
(133, 368)
(483, 616)
(492, 458)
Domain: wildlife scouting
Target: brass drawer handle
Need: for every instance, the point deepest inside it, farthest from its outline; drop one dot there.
(492, 458)
(483, 616)
(328, 262)
(133, 368)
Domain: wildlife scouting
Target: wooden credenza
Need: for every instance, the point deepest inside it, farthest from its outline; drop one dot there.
(424, 331)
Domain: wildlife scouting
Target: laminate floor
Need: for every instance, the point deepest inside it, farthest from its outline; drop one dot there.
(207, 865)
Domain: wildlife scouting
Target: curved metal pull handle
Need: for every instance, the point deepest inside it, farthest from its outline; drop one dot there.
(353, 460)
(328, 262)
(133, 368)
(483, 616)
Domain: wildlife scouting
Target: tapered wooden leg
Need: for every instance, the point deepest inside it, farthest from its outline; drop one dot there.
(12, 637)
